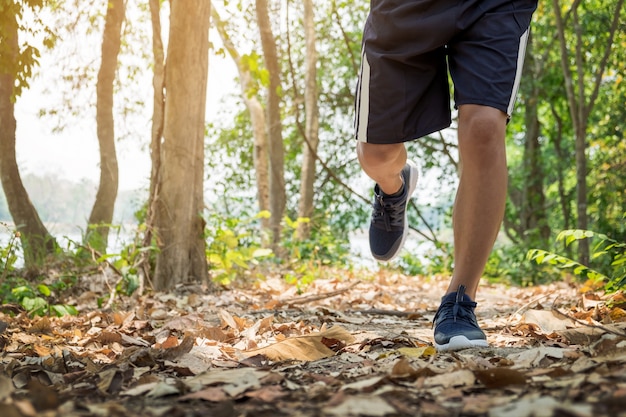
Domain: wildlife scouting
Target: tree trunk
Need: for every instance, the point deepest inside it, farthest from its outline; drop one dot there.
(180, 202)
(257, 117)
(37, 243)
(580, 102)
(158, 109)
(276, 151)
(562, 160)
(305, 208)
(534, 219)
(101, 215)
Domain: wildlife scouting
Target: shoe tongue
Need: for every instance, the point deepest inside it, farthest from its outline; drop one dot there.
(455, 297)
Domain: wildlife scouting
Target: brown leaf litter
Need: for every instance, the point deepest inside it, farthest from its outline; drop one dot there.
(347, 347)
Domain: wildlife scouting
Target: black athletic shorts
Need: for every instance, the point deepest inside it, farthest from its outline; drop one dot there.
(408, 48)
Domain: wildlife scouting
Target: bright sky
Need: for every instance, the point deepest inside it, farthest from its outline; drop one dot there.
(73, 153)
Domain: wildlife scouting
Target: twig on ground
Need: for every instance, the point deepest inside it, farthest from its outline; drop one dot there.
(396, 313)
(317, 297)
(527, 305)
(584, 323)
(95, 256)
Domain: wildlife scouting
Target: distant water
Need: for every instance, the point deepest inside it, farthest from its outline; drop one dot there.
(359, 244)
(67, 240)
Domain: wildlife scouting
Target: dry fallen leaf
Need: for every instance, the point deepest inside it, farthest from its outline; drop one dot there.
(113, 364)
(304, 348)
(267, 394)
(500, 377)
(6, 387)
(535, 406)
(233, 381)
(418, 352)
(547, 321)
(214, 394)
(532, 357)
(460, 378)
(361, 405)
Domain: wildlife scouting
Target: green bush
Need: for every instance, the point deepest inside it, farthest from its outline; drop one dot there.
(508, 263)
(231, 247)
(437, 260)
(36, 298)
(607, 253)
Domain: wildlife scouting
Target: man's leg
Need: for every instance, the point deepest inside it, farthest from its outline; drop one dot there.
(478, 212)
(481, 196)
(383, 164)
(396, 179)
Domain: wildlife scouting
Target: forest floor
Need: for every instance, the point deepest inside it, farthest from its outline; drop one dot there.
(346, 346)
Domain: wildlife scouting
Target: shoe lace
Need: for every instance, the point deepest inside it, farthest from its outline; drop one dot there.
(458, 309)
(390, 213)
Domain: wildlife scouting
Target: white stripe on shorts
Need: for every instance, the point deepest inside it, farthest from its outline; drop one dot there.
(521, 53)
(363, 100)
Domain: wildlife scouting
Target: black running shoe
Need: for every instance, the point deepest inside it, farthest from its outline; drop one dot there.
(389, 226)
(455, 323)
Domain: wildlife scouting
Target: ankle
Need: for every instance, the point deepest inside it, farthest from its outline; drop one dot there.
(393, 195)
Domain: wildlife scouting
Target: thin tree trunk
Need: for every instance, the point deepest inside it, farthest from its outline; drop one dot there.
(257, 117)
(305, 208)
(580, 105)
(275, 139)
(178, 217)
(534, 220)
(101, 215)
(562, 161)
(158, 106)
(37, 243)
(158, 109)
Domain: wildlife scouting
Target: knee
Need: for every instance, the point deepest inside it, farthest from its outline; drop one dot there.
(481, 127)
(372, 154)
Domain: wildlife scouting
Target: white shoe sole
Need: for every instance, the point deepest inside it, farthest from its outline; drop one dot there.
(461, 342)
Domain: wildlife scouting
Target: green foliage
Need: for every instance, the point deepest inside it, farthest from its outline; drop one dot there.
(235, 249)
(545, 166)
(323, 246)
(126, 263)
(507, 263)
(230, 140)
(36, 298)
(608, 254)
(20, 60)
(8, 253)
(306, 257)
(232, 247)
(434, 261)
(139, 253)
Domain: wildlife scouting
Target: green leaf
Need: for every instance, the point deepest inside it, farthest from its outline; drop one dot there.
(44, 290)
(36, 305)
(64, 310)
(619, 260)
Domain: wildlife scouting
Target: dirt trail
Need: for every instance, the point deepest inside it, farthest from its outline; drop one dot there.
(346, 347)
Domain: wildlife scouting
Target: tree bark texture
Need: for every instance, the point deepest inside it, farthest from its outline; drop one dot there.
(101, 215)
(158, 109)
(37, 243)
(178, 216)
(311, 140)
(275, 139)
